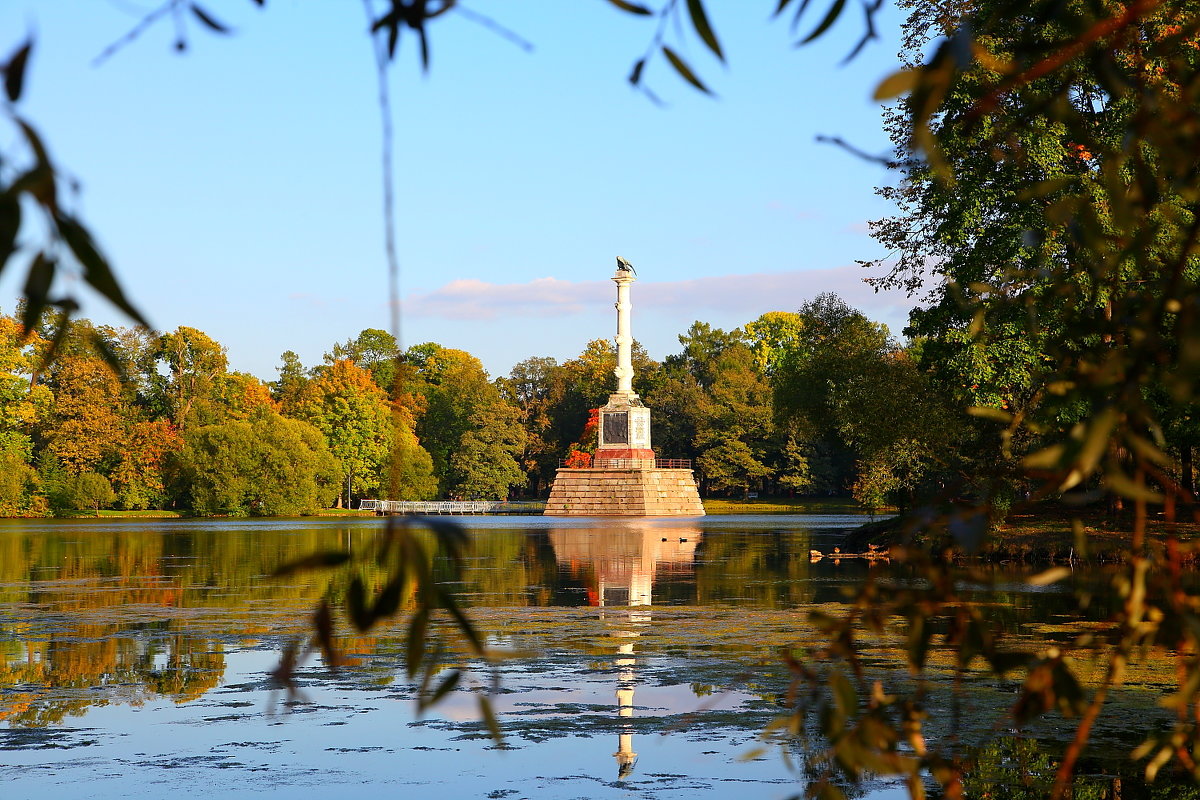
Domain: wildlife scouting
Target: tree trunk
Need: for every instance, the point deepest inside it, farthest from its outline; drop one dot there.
(1185, 467)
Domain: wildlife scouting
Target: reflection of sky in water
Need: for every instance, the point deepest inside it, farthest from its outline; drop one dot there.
(574, 715)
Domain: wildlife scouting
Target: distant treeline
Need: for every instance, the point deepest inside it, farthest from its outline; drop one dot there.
(820, 401)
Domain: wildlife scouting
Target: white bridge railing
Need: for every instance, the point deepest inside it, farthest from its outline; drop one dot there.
(456, 507)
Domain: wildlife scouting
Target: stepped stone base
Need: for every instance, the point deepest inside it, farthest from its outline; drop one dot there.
(627, 492)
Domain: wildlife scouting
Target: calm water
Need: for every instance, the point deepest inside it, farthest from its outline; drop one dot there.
(134, 661)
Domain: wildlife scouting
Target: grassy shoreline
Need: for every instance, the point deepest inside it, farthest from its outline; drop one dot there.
(1046, 535)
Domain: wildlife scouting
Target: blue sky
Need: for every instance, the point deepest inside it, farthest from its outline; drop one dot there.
(236, 186)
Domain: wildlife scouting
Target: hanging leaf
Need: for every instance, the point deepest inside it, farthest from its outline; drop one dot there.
(447, 685)
(209, 21)
(37, 290)
(684, 70)
(632, 8)
(489, 718)
(834, 12)
(705, 31)
(635, 76)
(325, 560)
(96, 270)
(896, 84)
(416, 641)
(10, 226)
(14, 71)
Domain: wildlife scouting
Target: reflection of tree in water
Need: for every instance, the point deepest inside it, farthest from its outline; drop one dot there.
(619, 566)
(766, 569)
(116, 611)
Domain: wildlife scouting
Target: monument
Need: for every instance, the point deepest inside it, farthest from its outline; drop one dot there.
(624, 477)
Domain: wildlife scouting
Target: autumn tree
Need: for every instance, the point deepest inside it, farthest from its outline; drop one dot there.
(194, 364)
(465, 422)
(373, 350)
(85, 428)
(140, 475)
(353, 413)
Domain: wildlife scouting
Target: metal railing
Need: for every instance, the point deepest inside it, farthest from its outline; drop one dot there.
(628, 463)
(453, 507)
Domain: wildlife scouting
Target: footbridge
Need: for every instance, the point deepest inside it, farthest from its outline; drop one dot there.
(452, 507)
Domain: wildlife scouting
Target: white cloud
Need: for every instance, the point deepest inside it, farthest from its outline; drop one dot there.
(747, 295)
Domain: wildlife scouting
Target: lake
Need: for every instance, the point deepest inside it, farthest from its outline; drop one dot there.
(640, 659)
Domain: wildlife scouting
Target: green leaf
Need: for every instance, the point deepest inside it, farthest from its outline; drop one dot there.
(489, 718)
(389, 599)
(632, 8)
(356, 605)
(209, 21)
(834, 12)
(464, 624)
(700, 23)
(37, 289)
(110, 356)
(10, 226)
(636, 75)
(416, 641)
(447, 685)
(96, 270)
(14, 71)
(684, 70)
(844, 695)
(330, 558)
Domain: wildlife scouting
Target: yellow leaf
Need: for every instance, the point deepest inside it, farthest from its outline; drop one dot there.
(896, 84)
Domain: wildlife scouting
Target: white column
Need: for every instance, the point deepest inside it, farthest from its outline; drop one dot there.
(624, 370)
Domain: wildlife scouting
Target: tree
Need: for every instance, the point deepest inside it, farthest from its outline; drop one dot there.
(410, 474)
(485, 463)
(375, 351)
(771, 336)
(270, 466)
(354, 415)
(534, 386)
(735, 430)
(85, 427)
(466, 420)
(140, 476)
(195, 363)
(91, 490)
(287, 390)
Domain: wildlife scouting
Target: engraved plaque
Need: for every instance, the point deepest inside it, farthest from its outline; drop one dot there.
(616, 428)
(641, 432)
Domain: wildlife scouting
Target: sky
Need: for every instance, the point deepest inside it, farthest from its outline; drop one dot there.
(236, 186)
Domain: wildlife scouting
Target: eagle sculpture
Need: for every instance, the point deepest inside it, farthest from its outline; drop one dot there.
(625, 266)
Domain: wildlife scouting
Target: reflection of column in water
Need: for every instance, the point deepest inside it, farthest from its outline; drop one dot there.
(626, 680)
(624, 562)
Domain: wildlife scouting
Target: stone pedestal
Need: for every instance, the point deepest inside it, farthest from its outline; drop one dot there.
(624, 435)
(624, 492)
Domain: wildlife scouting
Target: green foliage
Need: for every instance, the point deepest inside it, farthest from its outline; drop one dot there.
(354, 415)
(373, 350)
(410, 476)
(90, 491)
(194, 363)
(269, 466)
(472, 433)
(484, 466)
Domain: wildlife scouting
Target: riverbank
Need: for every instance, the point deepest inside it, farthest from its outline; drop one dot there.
(1049, 534)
